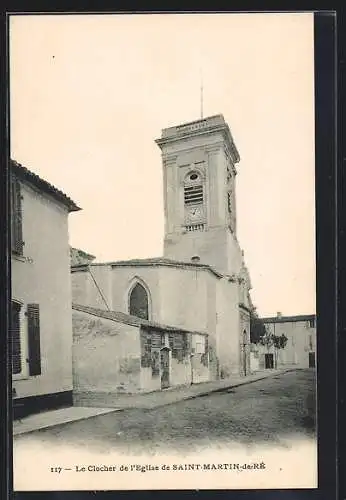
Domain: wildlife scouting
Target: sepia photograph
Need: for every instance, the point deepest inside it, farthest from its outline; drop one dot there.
(163, 285)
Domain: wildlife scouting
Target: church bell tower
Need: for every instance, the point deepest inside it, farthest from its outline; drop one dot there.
(199, 173)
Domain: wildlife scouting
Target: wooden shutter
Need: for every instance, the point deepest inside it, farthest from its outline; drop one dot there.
(16, 217)
(15, 339)
(34, 343)
(156, 340)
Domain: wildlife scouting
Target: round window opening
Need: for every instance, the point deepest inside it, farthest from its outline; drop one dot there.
(193, 177)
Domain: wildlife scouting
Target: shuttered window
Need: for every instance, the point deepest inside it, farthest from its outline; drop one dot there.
(34, 343)
(15, 339)
(16, 218)
(157, 340)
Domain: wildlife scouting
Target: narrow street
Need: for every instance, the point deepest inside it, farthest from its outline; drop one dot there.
(274, 411)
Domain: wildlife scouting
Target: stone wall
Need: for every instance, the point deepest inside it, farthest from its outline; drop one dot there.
(106, 355)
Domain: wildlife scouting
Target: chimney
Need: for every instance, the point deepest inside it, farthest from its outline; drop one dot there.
(279, 314)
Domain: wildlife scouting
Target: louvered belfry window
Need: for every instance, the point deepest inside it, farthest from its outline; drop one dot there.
(15, 339)
(193, 195)
(34, 341)
(16, 217)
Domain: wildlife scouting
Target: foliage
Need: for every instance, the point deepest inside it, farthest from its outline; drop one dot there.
(278, 341)
(257, 328)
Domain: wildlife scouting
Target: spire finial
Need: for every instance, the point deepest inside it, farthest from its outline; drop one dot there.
(201, 75)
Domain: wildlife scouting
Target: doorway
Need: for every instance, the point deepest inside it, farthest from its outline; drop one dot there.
(165, 368)
(312, 360)
(269, 361)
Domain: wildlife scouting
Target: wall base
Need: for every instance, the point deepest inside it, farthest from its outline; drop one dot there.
(22, 407)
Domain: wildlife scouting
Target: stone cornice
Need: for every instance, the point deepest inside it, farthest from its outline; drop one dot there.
(207, 130)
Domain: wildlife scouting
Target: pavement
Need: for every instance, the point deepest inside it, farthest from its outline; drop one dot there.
(51, 418)
(87, 405)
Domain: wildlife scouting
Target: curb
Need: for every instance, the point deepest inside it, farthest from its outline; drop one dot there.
(231, 386)
(212, 391)
(239, 384)
(49, 426)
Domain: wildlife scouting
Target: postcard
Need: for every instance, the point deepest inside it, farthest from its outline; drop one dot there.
(163, 318)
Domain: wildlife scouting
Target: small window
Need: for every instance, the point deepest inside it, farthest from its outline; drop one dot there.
(193, 177)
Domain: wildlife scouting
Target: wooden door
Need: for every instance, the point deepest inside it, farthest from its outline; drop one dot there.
(269, 361)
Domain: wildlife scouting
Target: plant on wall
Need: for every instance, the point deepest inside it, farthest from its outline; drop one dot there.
(257, 328)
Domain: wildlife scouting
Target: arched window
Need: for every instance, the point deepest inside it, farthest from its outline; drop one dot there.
(139, 303)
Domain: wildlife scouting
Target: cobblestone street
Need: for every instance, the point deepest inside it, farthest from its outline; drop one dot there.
(274, 411)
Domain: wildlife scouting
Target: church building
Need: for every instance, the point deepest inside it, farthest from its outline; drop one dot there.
(201, 283)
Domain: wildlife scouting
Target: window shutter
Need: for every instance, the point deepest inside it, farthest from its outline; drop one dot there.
(34, 339)
(15, 339)
(16, 217)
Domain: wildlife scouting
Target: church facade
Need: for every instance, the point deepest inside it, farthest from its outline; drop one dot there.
(201, 283)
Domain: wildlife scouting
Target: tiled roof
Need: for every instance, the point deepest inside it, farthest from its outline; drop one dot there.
(289, 319)
(26, 175)
(155, 261)
(120, 317)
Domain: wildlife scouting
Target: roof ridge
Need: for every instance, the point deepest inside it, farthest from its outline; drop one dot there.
(158, 260)
(132, 320)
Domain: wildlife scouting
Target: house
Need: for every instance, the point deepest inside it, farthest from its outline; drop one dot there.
(41, 316)
(300, 349)
(201, 283)
(116, 353)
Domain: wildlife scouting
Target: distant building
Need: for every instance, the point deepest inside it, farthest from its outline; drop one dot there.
(41, 322)
(300, 349)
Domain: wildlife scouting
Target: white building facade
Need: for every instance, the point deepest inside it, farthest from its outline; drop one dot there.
(300, 349)
(41, 315)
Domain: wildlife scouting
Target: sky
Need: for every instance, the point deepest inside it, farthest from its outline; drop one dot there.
(89, 94)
